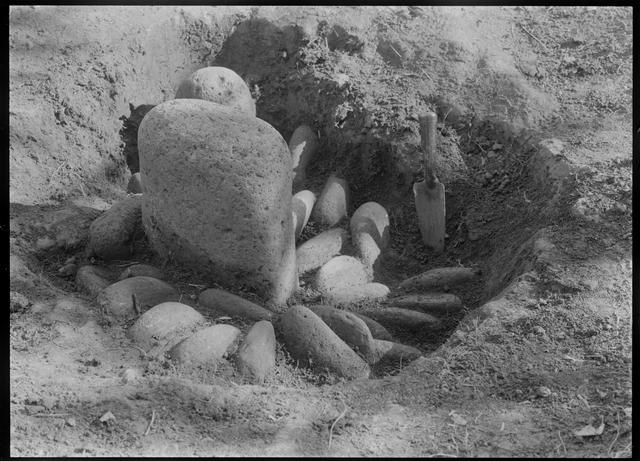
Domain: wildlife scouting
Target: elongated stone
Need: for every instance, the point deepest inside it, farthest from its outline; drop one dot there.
(351, 329)
(377, 330)
(404, 318)
(231, 304)
(432, 303)
(310, 341)
(440, 278)
(319, 250)
(302, 204)
(303, 146)
(256, 356)
(218, 195)
(333, 203)
(347, 295)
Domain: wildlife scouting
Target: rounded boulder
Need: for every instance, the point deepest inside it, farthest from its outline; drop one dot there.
(164, 322)
(207, 346)
(220, 85)
(118, 298)
(218, 195)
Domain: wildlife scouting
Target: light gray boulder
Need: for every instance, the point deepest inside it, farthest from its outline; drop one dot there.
(218, 195)
(207, 346)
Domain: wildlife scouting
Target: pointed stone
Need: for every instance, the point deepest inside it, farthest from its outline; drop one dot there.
(310, 341)
(302, 204)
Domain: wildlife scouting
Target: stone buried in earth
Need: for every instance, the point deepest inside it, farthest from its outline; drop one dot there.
(111, 234)
(256, 355)
(218, 195)
(220, 85)
(303, 146)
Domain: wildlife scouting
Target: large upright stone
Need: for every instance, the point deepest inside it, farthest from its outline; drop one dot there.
(303, 146)
(218, 195)
(219, 85)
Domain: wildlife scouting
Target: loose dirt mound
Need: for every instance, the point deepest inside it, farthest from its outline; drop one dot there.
(542, 348)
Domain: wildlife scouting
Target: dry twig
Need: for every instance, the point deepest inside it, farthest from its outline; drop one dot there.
(532, 36)
(344, 412)
(153, 418)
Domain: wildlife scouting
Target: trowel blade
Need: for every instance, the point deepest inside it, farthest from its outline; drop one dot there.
(430, 207)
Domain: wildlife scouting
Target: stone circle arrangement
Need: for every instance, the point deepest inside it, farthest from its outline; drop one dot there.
(214, 193)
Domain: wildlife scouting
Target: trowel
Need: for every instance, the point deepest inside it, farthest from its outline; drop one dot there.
(429, 194)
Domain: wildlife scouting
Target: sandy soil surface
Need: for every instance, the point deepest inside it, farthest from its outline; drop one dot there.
(542, 350)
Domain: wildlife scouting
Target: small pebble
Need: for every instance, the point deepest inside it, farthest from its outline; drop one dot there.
(68, 270)
(539, 330)
(45, 243)
(543, 391)
(71, 422)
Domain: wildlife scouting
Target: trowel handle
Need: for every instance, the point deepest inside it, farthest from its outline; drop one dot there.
(428, 141)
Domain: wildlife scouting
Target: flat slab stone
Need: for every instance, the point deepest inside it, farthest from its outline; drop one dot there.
(303, 146)
(319, 250)
(341, 271)
(256, 356)
(218, 195)
(117, 299)
(310, 341)
(137, 270)
(220, 85)
(404, 318)
(348, 295)
(111, 234)
(333, 203)
(207, 346)
(232, 305)
(302, 204)
(441, 278)
(377, 330)
(432, 303)
(351, 329)
(164, 323)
